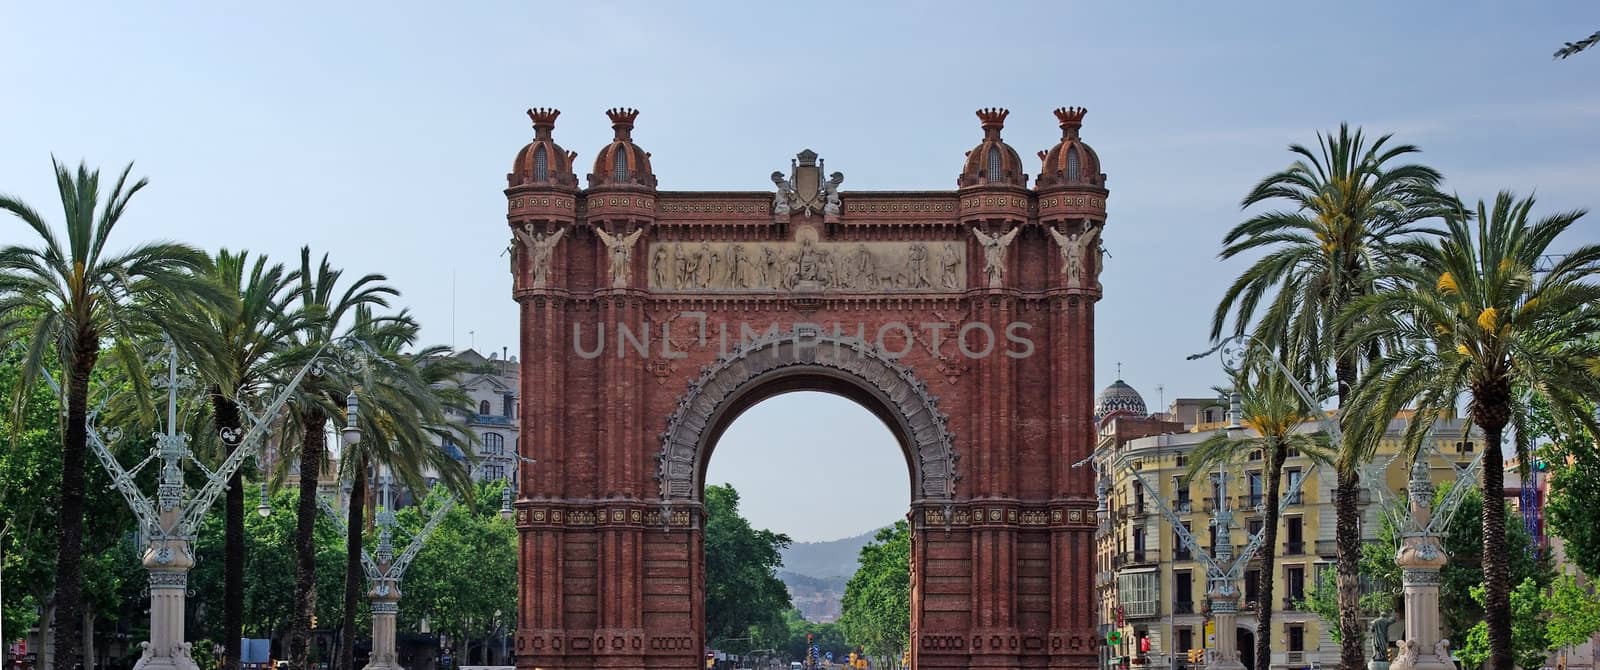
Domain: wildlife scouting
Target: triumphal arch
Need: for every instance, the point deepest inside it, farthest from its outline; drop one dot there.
(963, 318)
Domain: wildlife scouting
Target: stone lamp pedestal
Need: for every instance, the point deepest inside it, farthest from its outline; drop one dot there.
(168, 561)
(1420, 557)
(385, 597)
(1224, 612)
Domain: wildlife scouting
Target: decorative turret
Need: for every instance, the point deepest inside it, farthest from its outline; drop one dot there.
(992, 162)
(622, 163)
(1070, 162)
(542, 162)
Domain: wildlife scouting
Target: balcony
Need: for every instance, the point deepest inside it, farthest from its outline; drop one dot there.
(1290, 600)
(1183, 506)
(1133, 558)
(1210, 504)
(1294, 658)
(1252, 502)
(1183, 607)
(1294, 548)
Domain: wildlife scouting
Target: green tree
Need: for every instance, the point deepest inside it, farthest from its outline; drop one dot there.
(464, 580)
(745, 600)
(322, 309)
(404, 400)
(1273, 408)
(876, 611)
(1574, 613)
(1572, 512)
(1350, 212)
(72, 296)
(1528, 629)
(1469, 315)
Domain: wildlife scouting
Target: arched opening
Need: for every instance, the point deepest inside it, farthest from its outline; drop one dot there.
(814, 464)
(996, 169)
(541, 165)
(1072, 164)
(1247, 647)
(859, 378)
(619, 167)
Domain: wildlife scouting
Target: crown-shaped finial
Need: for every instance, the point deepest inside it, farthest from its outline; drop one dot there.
(544, 119)
(622, 120)
(993, 118)
(1071, 119)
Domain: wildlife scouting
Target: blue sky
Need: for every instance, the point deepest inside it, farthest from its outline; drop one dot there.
(381, 133)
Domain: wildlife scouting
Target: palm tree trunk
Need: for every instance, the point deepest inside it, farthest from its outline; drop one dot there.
(226, 415)
(305, 547)
(69, 547)
(353, 575)
(1347, 534)
(1269, 554)
(1490, 410)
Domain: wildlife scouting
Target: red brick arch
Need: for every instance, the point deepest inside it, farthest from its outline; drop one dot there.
(652, 319)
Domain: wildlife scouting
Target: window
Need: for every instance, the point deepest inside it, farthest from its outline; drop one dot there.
(1138, 497)
(1464, 447)
(1139, 593)
(1183, 494)
(1255, 455)
(483, 408)
(1138, 544)
(494, 444)
(1183, 460)
(1255, 489)
(1209, 414)
(1297, 637)
(1294, 480)
(1256, 525)
(1294, 578)
(1295, 530)
(1072, 164)
(493, 472)
(1183, 589)
(995, 169)
(620, 166)
(1180, 551)
(1252, 585)
(541, 164)
(508, 406)
(1185, 638)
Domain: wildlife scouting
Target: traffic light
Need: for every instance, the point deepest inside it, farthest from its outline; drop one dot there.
(852, 659)
(1197, 656)
(905, 658)
(711, 660)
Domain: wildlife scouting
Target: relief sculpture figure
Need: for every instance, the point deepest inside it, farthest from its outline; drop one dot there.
(620, 249)
(950, 262)
(994, 253)
(659, 267)
(830, 194)
(540, 248)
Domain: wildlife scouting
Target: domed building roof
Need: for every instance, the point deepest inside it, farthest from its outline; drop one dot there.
(1119, 398)
(992, 162)
(1070, 162)
(622, 162)
(543, 162)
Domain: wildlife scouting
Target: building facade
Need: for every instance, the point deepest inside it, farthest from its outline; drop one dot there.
(1152, 587)
(493, 385)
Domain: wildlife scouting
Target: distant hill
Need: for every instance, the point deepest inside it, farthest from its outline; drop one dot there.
(834, 558)
(816, 574)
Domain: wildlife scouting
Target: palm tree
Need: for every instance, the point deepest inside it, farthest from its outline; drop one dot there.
(1352, 209)
(322, 308)
(1274, 409)
(74, 296)
(235, 350)
(404, 400)
(1573, 48)
(1469, 315)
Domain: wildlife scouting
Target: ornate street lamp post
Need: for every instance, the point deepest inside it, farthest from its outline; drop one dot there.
(170, 523)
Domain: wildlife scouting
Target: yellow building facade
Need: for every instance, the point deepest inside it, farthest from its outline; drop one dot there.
(1152, 587)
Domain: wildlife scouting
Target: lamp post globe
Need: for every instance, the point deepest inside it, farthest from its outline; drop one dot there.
(352, 432)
